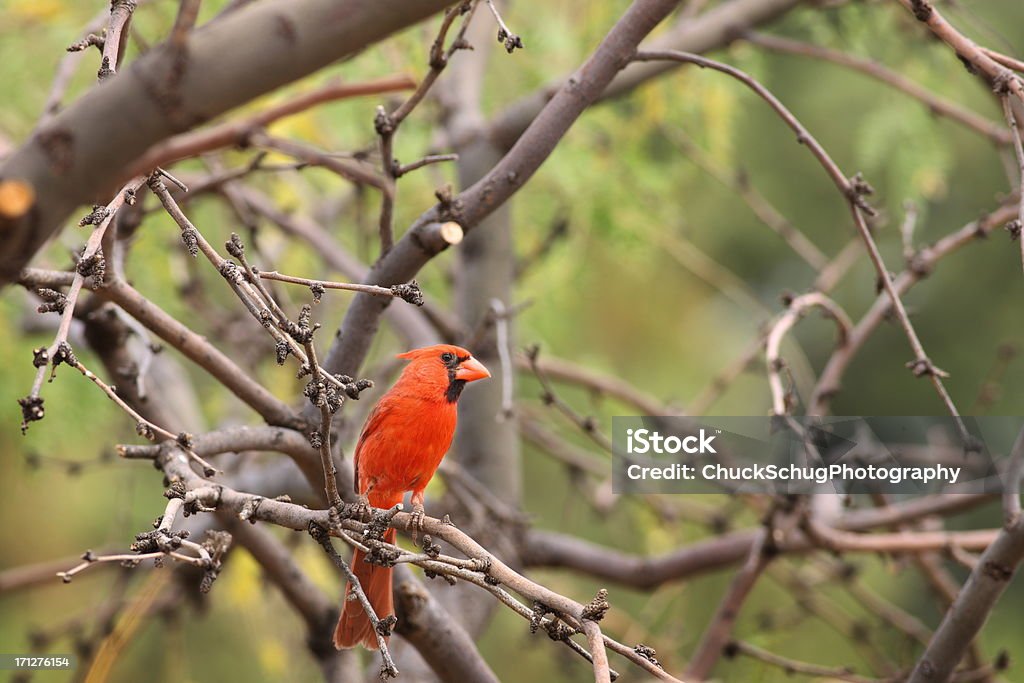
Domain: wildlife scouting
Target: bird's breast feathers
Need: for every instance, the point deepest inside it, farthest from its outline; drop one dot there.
(403, 443)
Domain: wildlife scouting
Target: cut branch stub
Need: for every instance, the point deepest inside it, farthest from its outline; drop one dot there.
(451, 232)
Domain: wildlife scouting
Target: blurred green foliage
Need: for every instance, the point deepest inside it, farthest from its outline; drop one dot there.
(611, 296)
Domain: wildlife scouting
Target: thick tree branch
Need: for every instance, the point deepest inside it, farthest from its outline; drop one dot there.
(81, 153)
(480, 567)
(978, 597)
(551, 549)
(421, 242)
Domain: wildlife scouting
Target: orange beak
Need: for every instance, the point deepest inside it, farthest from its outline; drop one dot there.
(471, 370)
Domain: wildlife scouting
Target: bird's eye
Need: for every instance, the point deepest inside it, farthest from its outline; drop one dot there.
(448, 356)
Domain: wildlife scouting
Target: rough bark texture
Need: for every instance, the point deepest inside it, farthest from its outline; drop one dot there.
(972, 607)
(79, 155)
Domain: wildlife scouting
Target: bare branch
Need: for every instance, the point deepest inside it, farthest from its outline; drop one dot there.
(923, 263)
(711, 30)
(602, 672)
(115, 40)
(975, 600)
(65, 166)
(793, 666)
(796, 310)
(717, 634)
(935, 104)
(353, 170)
(550, 549)
(418, 246)
(564, 370)
(409, 292)
(321, 536)
(1018, 150)
(853, 191)
(200, 351)
(232, 133)
(91, 264)
(387, 123)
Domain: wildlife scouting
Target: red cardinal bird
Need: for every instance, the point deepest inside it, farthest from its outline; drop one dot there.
(401, 445)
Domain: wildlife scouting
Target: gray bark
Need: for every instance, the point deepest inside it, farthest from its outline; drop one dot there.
(80, 155)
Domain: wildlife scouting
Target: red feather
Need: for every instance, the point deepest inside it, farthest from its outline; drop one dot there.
(401, 446)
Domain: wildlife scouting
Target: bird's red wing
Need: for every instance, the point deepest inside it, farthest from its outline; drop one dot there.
(374, 422)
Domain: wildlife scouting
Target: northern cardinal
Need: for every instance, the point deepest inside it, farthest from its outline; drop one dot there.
(401, 446)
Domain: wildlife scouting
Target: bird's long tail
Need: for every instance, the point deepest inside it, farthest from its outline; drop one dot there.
(354, 627)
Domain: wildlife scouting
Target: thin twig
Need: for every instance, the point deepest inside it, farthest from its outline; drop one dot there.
(114, 41)
(353, 170)
(324, 435)
(794, 666)
(200, 351)
(1018, 150)
(505, 36)
(501, 325)
(935, 104)
(907, 228)
(231, 133)
(924, 262)
(144, 427)
(586, 423)
(242, 283)
(773, 346)
(69, 63)
(163, 538)
(853, 191)
(321, 536)
(402, 169)
(965, 48)
(409, 292)
(1014, 477)
(1005, 60)
(90, 264)
(564, 370)
(837, 540)
(762, 208)
(716, 636)
(387, 123)
(188, 13)
(602, 672)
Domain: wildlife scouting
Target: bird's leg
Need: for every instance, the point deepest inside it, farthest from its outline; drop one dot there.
(418, 513)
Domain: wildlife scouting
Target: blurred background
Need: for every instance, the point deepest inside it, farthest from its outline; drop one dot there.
(663, 277)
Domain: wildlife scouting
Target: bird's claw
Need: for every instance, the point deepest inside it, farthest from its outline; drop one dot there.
(415, 523)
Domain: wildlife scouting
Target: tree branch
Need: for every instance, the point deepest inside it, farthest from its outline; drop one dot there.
(232, 133)
(79, 154)
(421, 242)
